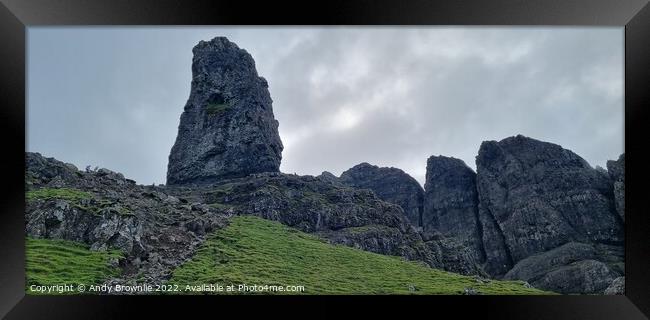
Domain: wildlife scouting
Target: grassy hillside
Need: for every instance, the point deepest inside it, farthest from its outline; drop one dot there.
(254, 251)
(58, 262)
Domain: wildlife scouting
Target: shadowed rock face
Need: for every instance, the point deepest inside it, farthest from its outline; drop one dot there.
(451, 203)
(342, 215)
(571, 268)
(395, 186)
(535, 196)
(227, 128)
(616, 171)
(389, 184)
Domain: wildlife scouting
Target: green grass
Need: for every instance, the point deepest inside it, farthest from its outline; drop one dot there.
(75, 197)
(58, 262)
(57, 193)
(255, 251)
(216, 108)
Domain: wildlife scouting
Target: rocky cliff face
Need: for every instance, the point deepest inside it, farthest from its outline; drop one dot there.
(451, 204)
(616, 171)
(227, 128)
(155, 230)
(536, 196)
(158, 228)
(450, 251)
(389, 184)
(343, 215)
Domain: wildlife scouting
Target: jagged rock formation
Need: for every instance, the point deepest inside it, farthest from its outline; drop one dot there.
(343, 215)
(616, 171)
(395, 186)
(451, 205)
(156, 231)
(536, 196)
(389, 184)
(329, 177)
(227, 128)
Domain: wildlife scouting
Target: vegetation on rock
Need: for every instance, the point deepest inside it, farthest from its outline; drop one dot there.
(69, 194)
(216, 108)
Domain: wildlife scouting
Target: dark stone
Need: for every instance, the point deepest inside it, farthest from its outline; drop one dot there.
(616, 287)
(535, 196)
(536, 266)
(341, 215)
(455, 256)
(389, 184)
(451, 204)
(550, 270)
(142, 222)
(585, 277)
(42, 170)
(227, 128)
(329, 177)
(616, 171)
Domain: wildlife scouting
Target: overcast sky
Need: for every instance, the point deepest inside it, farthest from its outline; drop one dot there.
(112, 97)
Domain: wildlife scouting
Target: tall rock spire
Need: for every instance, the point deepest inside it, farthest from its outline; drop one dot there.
(227, 128)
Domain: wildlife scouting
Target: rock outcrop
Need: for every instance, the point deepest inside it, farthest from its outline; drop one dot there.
(571, 268)
(535, 196)
(451, 204)
(329, 177)
(616, 171)
(342, 215)
(395, 186)
(389, 184)
(227, 128)
(155, 231)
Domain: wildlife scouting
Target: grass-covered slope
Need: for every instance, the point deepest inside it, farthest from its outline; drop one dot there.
(254, 251)
(59, 262)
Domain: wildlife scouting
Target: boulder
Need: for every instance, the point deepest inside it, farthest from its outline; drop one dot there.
(549, 270)
(583, 277)
(536, 266)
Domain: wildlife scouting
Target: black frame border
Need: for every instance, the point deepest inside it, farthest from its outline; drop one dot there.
(634, 15)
